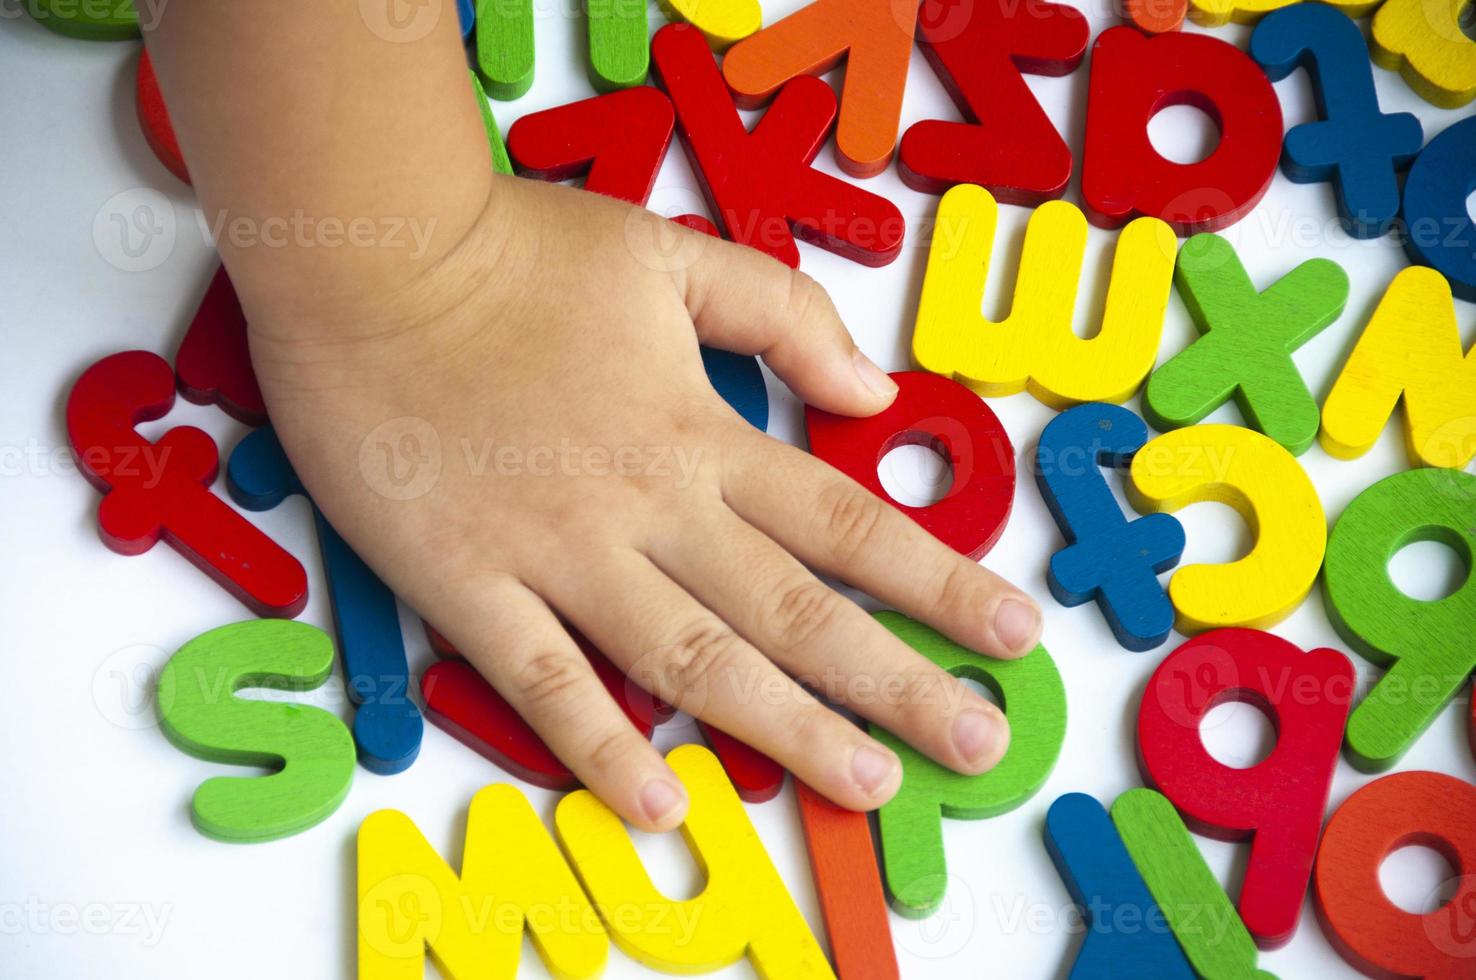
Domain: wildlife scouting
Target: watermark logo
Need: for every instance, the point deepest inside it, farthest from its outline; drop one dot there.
(945, 934)
(401, 21)
(663, 246)
(400, 914)
(135, 230)
(1198, 678)
(401, 459)
(1451, 928)
(143, 921)
(124, 685)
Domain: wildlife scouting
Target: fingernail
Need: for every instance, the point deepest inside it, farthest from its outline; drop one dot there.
(660, 799)
(1017, 624)
(873, 377)
(871, 768)
(975, 736)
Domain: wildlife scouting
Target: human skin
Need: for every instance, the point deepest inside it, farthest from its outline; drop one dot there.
(533, 317)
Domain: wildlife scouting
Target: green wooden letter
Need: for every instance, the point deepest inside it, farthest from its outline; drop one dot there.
(1427, 646)
(911, 824)
(1246, 343)
(311, 749)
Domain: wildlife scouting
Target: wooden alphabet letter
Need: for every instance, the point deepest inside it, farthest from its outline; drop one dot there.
(1245, 344)
(1354, 144)
(1277, 803)
(1376, 936)
(512, 878)
(154, 490)
(1107, 557)
(874, 37)
(1036, 347)
(956, 424)
(310, 749)
(761, 185)
(1126, 932)
(1030, 692)
(1133, 77)
(1007, 143)
(1426, 646)
(1275, 497)
(1411, 349)
(744, 907)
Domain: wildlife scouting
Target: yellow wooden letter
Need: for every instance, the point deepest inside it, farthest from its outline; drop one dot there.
(1410, 348)
(744, 906)
(1213, 13)
(1262, 481)
(1423, 41)
(511, 873)
(1035, 345)
(722, 22)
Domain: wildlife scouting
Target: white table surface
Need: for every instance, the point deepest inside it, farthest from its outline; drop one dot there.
(101, 873)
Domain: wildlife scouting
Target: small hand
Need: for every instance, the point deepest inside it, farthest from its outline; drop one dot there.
(524, 432)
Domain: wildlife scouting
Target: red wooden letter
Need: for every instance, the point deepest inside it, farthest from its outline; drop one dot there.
(1133, 77)
(621, 153)
(1368, 930)
(755, 776)
(619, 139)
(153, 119)
(1278, 803)
(153, 490)
(843, 864)
(463, 703)
(760, 184)
(942, 414)
(214, 362)
(1008, 145)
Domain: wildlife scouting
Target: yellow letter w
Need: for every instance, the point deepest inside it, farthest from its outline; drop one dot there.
(1035, 346)
(511, 873)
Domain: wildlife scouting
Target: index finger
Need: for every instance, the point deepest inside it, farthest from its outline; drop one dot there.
(836, 526)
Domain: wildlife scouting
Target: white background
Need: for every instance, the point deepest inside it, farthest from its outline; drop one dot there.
(94, 821)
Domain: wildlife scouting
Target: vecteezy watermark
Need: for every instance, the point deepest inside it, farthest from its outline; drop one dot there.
(35, 917)
(403, 913)
(946, 932)
(148, 462)
(124, 685)
(136, 230)
(662, 246)
(93, 11)
(302, 230)
(1209, 923)
(34, 458)
(699, 667)
(680, 463)
(1205, 676)
(126, 689)
(402, 459)
(1454, 933)
(402, 21)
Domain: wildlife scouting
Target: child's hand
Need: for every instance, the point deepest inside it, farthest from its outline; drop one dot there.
(446, 406)
(532, 374)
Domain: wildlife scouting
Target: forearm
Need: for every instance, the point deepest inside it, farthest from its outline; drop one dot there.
(331, 152)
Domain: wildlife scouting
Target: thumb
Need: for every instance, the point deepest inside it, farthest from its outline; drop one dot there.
(742, 300)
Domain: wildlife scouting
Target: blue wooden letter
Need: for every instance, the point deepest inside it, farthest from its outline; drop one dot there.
(387, 725)
(738, 379)
(1107, 557)
(1127, 936)
(1354, 144)
(1438, 228)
